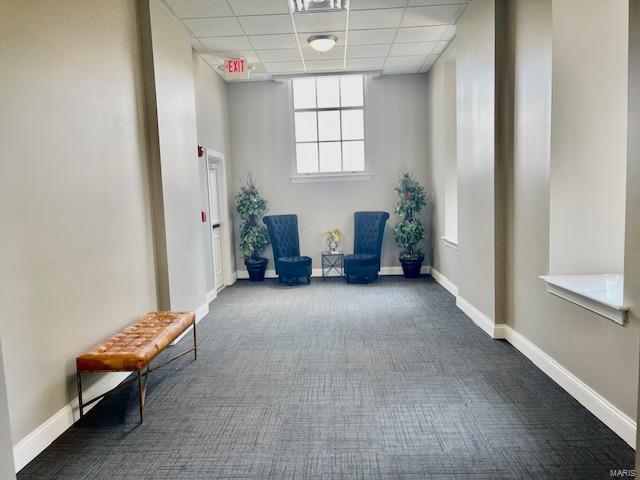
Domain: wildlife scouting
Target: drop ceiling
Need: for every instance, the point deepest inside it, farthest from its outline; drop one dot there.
(391, 36)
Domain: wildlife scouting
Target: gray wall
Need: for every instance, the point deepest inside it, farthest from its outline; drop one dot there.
(263, 143)
(7, 467)
(76, 250)
(213, 132)
(601, 353)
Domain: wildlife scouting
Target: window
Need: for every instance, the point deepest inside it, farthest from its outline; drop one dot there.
(329, 124)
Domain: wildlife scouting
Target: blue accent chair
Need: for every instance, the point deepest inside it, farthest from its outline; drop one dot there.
(283, 233)
(364, 264)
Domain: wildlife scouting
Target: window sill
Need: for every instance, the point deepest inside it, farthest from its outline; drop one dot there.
(451, 242)
(601, 294)
(330, 177)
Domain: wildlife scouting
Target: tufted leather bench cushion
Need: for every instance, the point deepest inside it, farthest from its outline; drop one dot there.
(135, 346)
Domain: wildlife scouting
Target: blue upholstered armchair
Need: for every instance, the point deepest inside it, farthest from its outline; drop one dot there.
(364, 264)
(283, 232)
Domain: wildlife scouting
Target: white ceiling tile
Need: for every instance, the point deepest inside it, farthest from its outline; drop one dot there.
(367, 51)
(368, 19)
(196, 45)
(213, 27)
(263, 24)
(418, 3)
(324, 65)
(435, 15)
(409, 61)
(269, 42)
(311, 54)
(284, 67)
(225, 43)
(418, 48)
(250, 55)
(368, 37)
(259, 7)
(200, 8)
(280, 55)
(450, 33)
(421, 34)
(399, 70)
(320, 21)
(365, 63)
(370, 4)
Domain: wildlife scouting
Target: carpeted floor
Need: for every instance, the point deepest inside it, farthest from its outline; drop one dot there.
(336, 381)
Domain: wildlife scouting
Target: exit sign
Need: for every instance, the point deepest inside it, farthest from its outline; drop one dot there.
(236, 68)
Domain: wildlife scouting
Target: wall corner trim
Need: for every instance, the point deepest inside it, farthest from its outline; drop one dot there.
(35, 442)
(445, 282)
(623, 425)
(479, 318)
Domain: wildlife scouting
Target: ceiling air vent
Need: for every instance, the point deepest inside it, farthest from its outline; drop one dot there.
(303, 6)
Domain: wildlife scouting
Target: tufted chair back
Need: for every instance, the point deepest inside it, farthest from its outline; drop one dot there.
(283, 232)
(369, 230)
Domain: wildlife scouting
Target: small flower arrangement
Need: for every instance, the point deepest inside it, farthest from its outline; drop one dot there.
(333, 238)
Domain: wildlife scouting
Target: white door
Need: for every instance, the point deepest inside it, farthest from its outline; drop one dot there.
(214, 219)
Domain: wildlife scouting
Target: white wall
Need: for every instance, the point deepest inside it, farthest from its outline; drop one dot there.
(588, 136)
(76, 249)
(262, 137)
(171, 126)
(476, 75)
(440, 149)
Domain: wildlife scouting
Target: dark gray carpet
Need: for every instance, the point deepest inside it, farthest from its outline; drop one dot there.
(336, 381)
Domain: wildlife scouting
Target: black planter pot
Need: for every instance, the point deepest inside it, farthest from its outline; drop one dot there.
(256, 268)
(411, 268)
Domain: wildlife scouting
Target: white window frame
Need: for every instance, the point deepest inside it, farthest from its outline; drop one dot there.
(340, 176)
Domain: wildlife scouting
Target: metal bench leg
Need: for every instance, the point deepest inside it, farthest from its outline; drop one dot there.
(195, 343)
(142, 390)
(79, 382)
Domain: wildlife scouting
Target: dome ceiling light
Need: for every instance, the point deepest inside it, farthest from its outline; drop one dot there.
(322, 43)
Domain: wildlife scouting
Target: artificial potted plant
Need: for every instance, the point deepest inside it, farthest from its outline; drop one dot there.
(253, 236)
(409, 231)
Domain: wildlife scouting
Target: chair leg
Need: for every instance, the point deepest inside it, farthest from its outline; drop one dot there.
(308, 280)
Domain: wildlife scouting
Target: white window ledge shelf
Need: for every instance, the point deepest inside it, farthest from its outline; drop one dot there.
(602, 294)
(451, 242)
(330, 177)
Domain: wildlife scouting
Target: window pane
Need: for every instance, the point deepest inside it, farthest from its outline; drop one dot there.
(328, 92)
(353, 156)
(330, 157)
(304, 93)
(307, 157)
(306, 130)
(329, 125)
(352, 125)
(351, 91)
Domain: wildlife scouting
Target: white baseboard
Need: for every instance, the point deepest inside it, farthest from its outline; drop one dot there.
(479, 318)
(211, 296)
(30, 446)
(623, 425)
(444, 281)
(317, 272)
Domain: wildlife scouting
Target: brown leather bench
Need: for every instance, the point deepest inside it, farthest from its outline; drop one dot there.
(132, 350)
